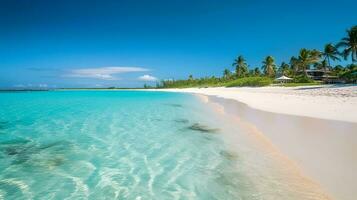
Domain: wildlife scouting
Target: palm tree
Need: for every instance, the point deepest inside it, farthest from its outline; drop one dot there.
(269, 66)
(284, 68)
(241, 66)
(322, 65)
(227, 74)
(294, 64)
(308, 57)
(257, 71)
(330, 52)
(349, 44)
(352, 67)
(338, 69)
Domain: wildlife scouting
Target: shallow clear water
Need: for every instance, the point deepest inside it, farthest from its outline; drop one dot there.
(114, 145)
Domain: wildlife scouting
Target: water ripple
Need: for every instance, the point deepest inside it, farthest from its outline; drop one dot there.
(18, 185)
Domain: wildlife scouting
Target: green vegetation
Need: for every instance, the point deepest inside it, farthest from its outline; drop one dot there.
(307, 58)
(284, 69)
(330, 53)
(219, 82)
(300, 84)
(350, 75)
(302, 79)
(241, 67)
(269, 66)
(202, 82)
(349, 44)
(250, 81)
(297, 68)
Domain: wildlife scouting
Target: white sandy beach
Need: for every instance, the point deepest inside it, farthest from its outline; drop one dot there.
(317, 130)
(324, 102)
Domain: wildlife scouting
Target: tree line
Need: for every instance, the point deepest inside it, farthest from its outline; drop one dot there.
(296, 68)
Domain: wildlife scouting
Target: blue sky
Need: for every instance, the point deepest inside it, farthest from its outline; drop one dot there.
(87, 43)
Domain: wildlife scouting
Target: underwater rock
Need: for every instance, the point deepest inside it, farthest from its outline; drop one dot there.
(11, 151)
(19, 149)
(202, 128)
(49, 163)
(3, 125)
(21, 143)
(225, 179)
(56, 161)
(24, 151)
(175, 105)
(57, 144)
(229, 155)
(183, 121)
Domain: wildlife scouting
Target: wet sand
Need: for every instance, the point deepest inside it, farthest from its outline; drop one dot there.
(321, 153)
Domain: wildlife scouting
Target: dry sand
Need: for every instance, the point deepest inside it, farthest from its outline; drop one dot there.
(323, 150)
(323, 102)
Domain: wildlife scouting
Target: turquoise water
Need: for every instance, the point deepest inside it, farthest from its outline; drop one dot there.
(114, 145)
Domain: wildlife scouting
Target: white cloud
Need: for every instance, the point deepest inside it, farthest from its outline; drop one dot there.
(147, 77)
(104, 73)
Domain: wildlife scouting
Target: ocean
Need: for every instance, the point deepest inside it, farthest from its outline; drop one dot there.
(113, 145)
(135, 145)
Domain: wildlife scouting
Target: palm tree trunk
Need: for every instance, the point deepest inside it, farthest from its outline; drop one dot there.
(328, 60)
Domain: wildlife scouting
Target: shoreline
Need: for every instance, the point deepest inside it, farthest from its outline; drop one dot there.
(313, 127)
(322, 102)
(326, 163)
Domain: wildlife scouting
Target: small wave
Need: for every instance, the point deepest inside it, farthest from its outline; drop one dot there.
(81, 189)
(107, 179)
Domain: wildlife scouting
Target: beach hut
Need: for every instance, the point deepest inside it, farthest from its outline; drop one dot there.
(283, 79)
